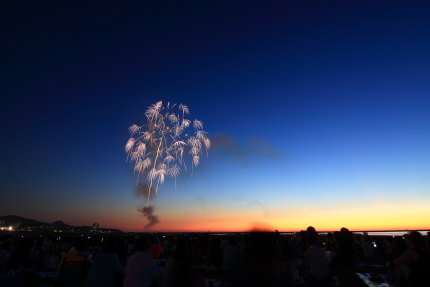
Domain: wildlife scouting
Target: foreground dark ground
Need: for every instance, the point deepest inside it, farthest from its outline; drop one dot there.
(251, 259)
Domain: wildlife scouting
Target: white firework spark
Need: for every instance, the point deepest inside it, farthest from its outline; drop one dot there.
(134, 129)
(198, 124)
(184, 109)
(129, 145)
(158, 148)
(185, 123)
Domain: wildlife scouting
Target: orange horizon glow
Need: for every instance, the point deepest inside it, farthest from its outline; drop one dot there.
(373, 217)
(376, 216)
(197, 230)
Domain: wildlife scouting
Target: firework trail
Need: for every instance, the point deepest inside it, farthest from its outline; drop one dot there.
(160, 147)
(142, 190)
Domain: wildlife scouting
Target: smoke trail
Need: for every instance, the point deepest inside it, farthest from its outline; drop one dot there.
(253, 147)
(148, 212)
(142, 190)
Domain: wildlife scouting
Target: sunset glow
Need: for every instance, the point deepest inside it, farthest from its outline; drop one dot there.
(377, 217)
(313, 114)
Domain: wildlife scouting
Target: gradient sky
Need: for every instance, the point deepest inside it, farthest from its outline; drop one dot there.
(320, 111)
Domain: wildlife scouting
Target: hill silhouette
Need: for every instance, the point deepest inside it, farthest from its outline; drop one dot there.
(28, 222)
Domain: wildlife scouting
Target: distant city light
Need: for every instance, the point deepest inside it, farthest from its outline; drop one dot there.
(8, 228)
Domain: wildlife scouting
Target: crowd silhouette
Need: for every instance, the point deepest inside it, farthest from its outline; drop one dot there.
(306, 258)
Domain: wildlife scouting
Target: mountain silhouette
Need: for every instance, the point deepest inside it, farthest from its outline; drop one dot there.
(28, 222)
(59, 223)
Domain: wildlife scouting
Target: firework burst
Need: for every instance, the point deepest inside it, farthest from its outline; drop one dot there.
(159, 148)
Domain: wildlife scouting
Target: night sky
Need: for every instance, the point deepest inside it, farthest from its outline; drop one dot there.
(319, 112)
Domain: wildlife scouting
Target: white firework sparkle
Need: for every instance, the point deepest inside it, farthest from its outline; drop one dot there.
(158, 148)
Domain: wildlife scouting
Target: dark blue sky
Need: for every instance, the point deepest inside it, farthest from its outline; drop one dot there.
(341, 88)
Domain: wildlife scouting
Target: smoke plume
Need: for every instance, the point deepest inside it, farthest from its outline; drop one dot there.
(253, 147)
(142, 190)
(148, 212)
